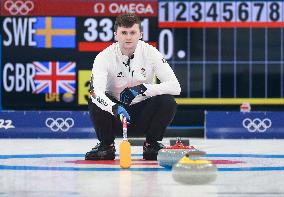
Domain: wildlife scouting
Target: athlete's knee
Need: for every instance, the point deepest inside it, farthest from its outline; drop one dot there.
(167, 101)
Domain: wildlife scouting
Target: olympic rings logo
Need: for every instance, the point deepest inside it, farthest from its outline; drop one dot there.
(59, 124)
(257, 124)
(19, 7)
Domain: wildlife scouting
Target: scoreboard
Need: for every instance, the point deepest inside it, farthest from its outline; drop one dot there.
(48, 48)
(221, 14)
(223, 52)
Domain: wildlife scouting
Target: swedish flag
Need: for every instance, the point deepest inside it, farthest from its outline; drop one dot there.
(55, 32)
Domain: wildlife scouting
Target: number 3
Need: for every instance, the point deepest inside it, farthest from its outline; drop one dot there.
(92, 32)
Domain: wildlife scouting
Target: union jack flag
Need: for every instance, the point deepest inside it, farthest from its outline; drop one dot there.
(55, 77)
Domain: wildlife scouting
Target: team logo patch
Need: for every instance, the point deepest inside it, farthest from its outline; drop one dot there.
(164, 60)
(143, 72)
(119, 74)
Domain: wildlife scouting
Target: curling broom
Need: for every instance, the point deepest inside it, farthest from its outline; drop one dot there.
(125, 148)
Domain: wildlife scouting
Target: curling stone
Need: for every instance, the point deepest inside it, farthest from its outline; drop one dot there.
(169, 155)
(195, 172)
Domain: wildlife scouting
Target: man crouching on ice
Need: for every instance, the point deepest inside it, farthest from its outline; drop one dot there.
(122, 84)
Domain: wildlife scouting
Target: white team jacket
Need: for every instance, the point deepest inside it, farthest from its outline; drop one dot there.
(111, 74)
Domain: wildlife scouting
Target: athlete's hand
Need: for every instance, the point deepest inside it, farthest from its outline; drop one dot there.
(120, 112)
(128, 94)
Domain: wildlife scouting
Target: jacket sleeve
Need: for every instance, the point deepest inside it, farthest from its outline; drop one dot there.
(169, 82)
(98, 85)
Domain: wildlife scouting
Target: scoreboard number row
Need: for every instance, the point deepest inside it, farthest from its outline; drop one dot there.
(265, 11)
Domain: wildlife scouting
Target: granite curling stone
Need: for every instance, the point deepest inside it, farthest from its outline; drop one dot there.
(169, 155)
(194, 172)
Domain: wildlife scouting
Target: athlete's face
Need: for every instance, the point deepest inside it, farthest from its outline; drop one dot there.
(128, 38)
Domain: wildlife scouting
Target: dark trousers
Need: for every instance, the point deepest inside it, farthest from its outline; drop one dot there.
(149, 117)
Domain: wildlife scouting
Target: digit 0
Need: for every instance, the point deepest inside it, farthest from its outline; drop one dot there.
(166, 37)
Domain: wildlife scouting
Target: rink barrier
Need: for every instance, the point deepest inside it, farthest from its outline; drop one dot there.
(244, 125)
(66, 124)
(46, 124)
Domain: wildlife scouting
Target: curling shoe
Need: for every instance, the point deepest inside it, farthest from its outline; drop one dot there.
(101, 152)
(150, 150)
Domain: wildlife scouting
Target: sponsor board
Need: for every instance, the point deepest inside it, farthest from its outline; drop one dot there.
(77, 7)
(45, 124)
(249, 125)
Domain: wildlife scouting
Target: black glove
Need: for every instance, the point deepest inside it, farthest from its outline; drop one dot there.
(119, 110)
(128, 94)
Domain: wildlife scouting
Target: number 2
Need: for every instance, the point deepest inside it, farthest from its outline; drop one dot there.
(6, 124)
